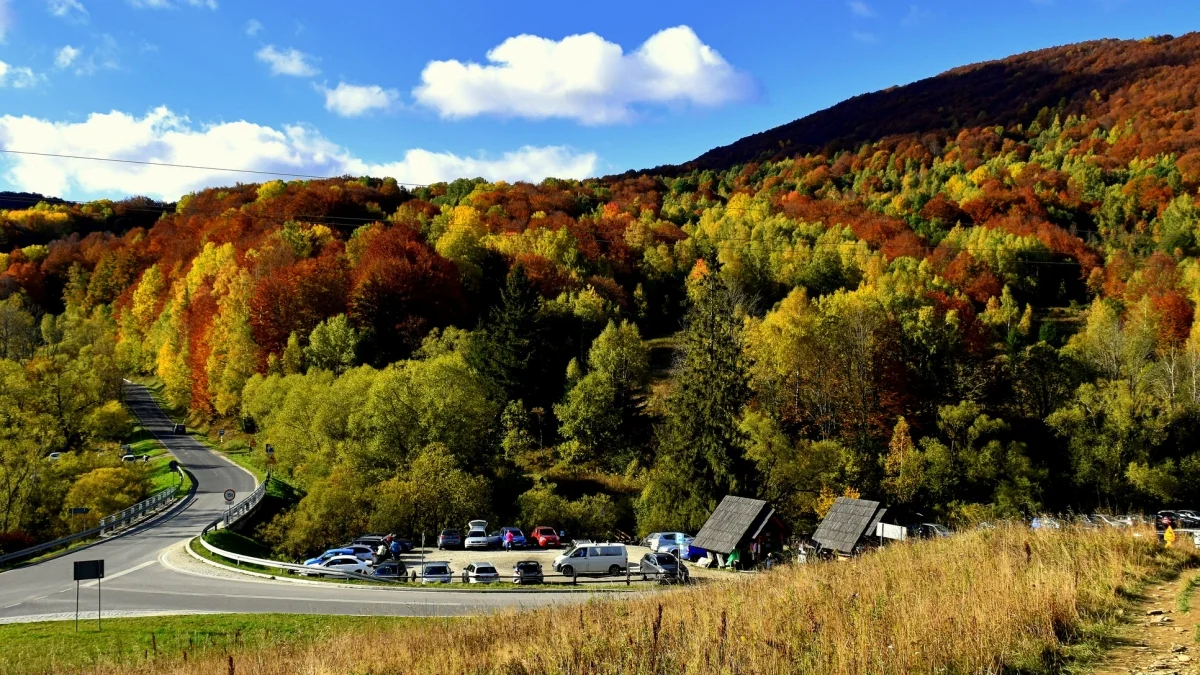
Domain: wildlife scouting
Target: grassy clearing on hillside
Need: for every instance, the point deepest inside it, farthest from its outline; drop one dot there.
(986, 601)
(55, 646)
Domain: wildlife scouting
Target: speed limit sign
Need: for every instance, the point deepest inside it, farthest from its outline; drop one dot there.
(229, 495)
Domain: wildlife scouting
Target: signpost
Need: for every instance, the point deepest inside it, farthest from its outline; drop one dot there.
(270, 454)
(79, 510)
(85, 570)
(221, 435)
(229, 495)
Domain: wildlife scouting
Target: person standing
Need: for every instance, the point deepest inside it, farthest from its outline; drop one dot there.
(508, 540)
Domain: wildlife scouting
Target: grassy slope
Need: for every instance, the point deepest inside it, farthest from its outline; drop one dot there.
(55, 646)
(1001, 600)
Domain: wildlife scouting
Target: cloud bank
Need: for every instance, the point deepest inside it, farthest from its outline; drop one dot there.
(165, 137)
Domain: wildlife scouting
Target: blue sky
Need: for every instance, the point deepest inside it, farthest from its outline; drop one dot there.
(407, 89)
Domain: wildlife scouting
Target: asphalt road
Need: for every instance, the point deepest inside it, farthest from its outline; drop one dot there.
(138, 582)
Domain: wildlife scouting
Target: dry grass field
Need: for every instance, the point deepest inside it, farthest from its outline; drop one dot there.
(1005, 600)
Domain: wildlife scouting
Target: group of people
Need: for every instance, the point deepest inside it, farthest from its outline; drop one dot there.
(388, 548)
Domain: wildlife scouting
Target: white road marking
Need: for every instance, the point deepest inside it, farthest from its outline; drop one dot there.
(283, 598)
(118, 575)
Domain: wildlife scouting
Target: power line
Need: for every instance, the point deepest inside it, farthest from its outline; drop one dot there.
(183, 166)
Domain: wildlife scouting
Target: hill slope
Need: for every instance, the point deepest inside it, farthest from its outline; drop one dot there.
(1154, 78)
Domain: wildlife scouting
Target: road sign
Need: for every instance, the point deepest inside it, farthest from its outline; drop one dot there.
(221, 433)
(270, 450)
(89, 569)
(173, 466)
(85, 570)
(229, 495)
(79, 510)
(253, 443)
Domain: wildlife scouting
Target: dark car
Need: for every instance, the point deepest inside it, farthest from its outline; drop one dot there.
(391, 570)
(528, 572)
(180, 429)
(662, 567)
(450, 539)
(1175, 520)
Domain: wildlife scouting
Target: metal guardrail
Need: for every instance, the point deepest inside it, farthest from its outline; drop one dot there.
(106, 526)
(244, 507)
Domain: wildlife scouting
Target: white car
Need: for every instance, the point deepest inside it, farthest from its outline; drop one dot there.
(436, 573)
(610, 559)
(655, 541)
(54, 456)
(477, 536)
(480, 573)
(340, 563)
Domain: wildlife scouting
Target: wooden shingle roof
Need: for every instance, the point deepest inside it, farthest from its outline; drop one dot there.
(735, 520)
(847, 521)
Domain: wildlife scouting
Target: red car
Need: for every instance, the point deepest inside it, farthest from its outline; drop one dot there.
(544, 537)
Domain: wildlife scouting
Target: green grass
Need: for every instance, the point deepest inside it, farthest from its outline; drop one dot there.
(1184, 601)
(55, 646)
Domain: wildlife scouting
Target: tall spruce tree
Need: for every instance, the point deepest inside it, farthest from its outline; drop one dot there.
(700, 455)
(509, 348)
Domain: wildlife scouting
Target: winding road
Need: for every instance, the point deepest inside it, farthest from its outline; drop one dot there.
(140, 580)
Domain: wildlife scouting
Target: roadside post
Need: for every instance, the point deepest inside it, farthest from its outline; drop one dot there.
(229, 495)
(221, 436)
(84, 571)
(78, 510)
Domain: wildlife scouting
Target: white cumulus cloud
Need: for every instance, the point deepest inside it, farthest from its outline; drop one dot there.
(18, 77)
(66, 56)
(287, 62)
(583, 77)
(67, 9)
(164, 137)
(350, 100)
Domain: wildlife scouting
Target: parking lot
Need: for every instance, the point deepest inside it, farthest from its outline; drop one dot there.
(504, 561)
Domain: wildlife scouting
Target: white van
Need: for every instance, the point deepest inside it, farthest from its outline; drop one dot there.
(593, 559)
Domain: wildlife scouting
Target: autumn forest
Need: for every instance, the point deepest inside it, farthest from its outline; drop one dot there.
(966, 307)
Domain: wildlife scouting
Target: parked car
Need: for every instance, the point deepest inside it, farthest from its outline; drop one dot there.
(528, 572)
(362, 552)
(180, 429)
(436, 573)
(390, 570)
(928, 530)
(340, 563)
(54, 456)
(135, 458)
(519, 540)
(1044, 523)
(449, 539)
(593, 559)
(480, 573)
(661, 567)
(655, 539)
(674, 543)
(329, 554)
(372, 540)
(477, 539)
(544, 537)
(1181, 519)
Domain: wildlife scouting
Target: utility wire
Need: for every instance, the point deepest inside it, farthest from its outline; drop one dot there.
(182, 166)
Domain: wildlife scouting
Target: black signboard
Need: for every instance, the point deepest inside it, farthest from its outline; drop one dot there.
(89, 569)
(79, 510)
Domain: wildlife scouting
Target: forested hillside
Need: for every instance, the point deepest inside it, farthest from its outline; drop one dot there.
(986, 319)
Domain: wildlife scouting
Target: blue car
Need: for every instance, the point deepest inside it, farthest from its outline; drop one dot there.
(518, 537)
(329, 554)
